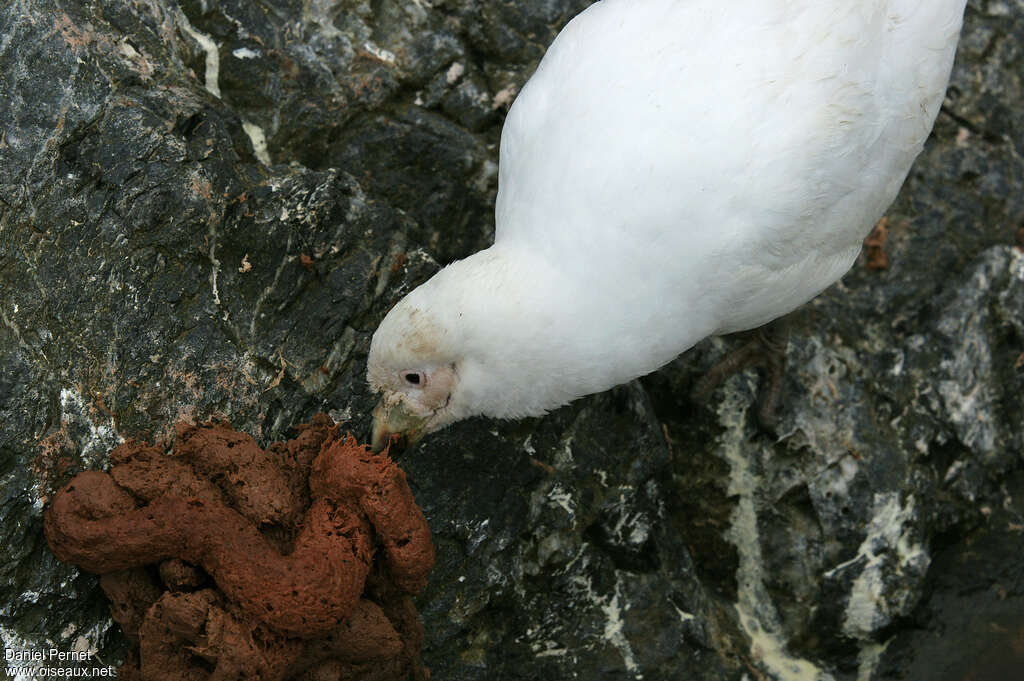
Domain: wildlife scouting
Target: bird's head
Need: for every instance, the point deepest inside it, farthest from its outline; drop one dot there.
(489, 335)
(414, 365)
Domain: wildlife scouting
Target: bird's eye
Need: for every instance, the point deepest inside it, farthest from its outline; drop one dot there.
(414, 377)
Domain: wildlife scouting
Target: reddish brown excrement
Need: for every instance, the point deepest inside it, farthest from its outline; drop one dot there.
(298, 561)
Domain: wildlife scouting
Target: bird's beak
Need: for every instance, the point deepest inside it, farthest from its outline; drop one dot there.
(395, 420)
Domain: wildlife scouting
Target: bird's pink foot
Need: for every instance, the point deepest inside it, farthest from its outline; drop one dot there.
(766, 349)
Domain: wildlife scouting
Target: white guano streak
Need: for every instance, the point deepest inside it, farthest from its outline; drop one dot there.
(754, 606)
(211, 82)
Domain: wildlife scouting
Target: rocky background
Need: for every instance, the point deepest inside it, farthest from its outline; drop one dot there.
(206, 206)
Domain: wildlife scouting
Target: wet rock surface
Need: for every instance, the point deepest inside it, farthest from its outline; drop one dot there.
(208, 229)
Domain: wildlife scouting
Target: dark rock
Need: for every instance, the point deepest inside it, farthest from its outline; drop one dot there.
(158, 261)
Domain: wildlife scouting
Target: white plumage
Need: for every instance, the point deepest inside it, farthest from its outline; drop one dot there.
(674, 169)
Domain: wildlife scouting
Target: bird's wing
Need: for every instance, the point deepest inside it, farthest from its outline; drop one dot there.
(665, 142)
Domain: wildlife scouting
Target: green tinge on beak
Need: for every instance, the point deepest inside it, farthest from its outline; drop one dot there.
(389, 421)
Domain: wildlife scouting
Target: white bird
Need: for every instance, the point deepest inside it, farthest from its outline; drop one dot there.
(674, 169)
